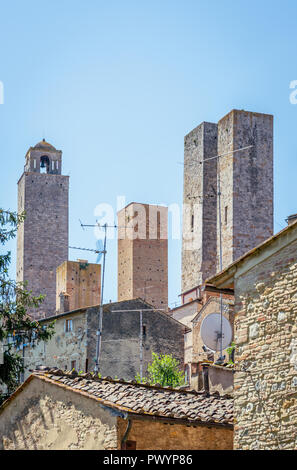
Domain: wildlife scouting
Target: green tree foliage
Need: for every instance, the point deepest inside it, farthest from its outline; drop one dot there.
(16, 326)
(164, 370)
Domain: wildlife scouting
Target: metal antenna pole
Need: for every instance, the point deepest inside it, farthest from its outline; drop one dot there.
(140, 344)
(221, 261)
(99, 331)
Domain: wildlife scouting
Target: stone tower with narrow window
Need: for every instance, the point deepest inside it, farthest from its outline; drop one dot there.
(199, 244)
(246, 189)
(42, 241)
(246, 178)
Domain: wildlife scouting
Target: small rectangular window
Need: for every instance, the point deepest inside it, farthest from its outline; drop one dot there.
(144, 330)
(226, 215)
(68, 325)
(192, 223)
(73, 365)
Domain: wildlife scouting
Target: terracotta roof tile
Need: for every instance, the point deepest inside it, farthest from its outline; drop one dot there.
(149, 400)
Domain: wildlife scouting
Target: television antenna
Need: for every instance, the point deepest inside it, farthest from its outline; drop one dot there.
(100, 252)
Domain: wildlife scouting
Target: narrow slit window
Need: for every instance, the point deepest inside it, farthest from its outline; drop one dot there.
(226, 215)
(68, 325)
(192, 223)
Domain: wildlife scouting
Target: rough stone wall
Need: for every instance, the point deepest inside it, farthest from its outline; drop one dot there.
(199, 244)
(143, 254)
(46, 417)
(156, 435)
(81, 281)
(246, 182)
(120, 350)
(63, 348)
(266, 338)
(43, 238)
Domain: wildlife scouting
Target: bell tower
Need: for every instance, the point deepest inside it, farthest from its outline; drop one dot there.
(42, 241)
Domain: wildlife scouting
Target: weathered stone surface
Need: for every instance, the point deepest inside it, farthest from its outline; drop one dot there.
(265, 395)
(246, 182)
(199, 206)
(42, 242)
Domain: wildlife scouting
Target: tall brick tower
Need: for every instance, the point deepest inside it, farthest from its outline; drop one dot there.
(143, 254)
(246, 182)
(42, 242)
(199, 245)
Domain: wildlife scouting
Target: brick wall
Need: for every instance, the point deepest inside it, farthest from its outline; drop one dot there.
(143, 254)
(156, 435)
(81, 281)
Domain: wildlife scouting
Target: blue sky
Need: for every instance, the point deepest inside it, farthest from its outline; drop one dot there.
(116, 85)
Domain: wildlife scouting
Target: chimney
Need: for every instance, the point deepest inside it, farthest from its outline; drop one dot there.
(291, 219)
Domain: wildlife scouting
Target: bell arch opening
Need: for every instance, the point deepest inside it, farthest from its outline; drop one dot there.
(44, 164)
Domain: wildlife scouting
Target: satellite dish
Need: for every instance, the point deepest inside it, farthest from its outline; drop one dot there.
(99, 247)
(211, 332)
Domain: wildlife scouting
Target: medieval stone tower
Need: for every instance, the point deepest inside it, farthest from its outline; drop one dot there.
(42, 242)
(199, 243)
(246, 183)
(143, 254)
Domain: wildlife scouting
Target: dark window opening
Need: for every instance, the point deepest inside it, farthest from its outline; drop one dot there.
(73, 365)
(144, 330)
(44, 164)
(192, 223)
(226, 215)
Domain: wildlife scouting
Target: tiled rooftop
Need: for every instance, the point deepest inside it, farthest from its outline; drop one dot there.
(144, 399)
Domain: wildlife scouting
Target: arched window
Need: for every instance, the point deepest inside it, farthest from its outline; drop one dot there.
(44, 164)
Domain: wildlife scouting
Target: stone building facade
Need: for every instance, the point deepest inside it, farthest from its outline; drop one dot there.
(265, 382)
(143, 254)
(246, 188)
(56, 410)
(78, 285)
(131, 331)
(42, 241)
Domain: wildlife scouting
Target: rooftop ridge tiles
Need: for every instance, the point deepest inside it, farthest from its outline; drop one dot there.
(157, 387)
